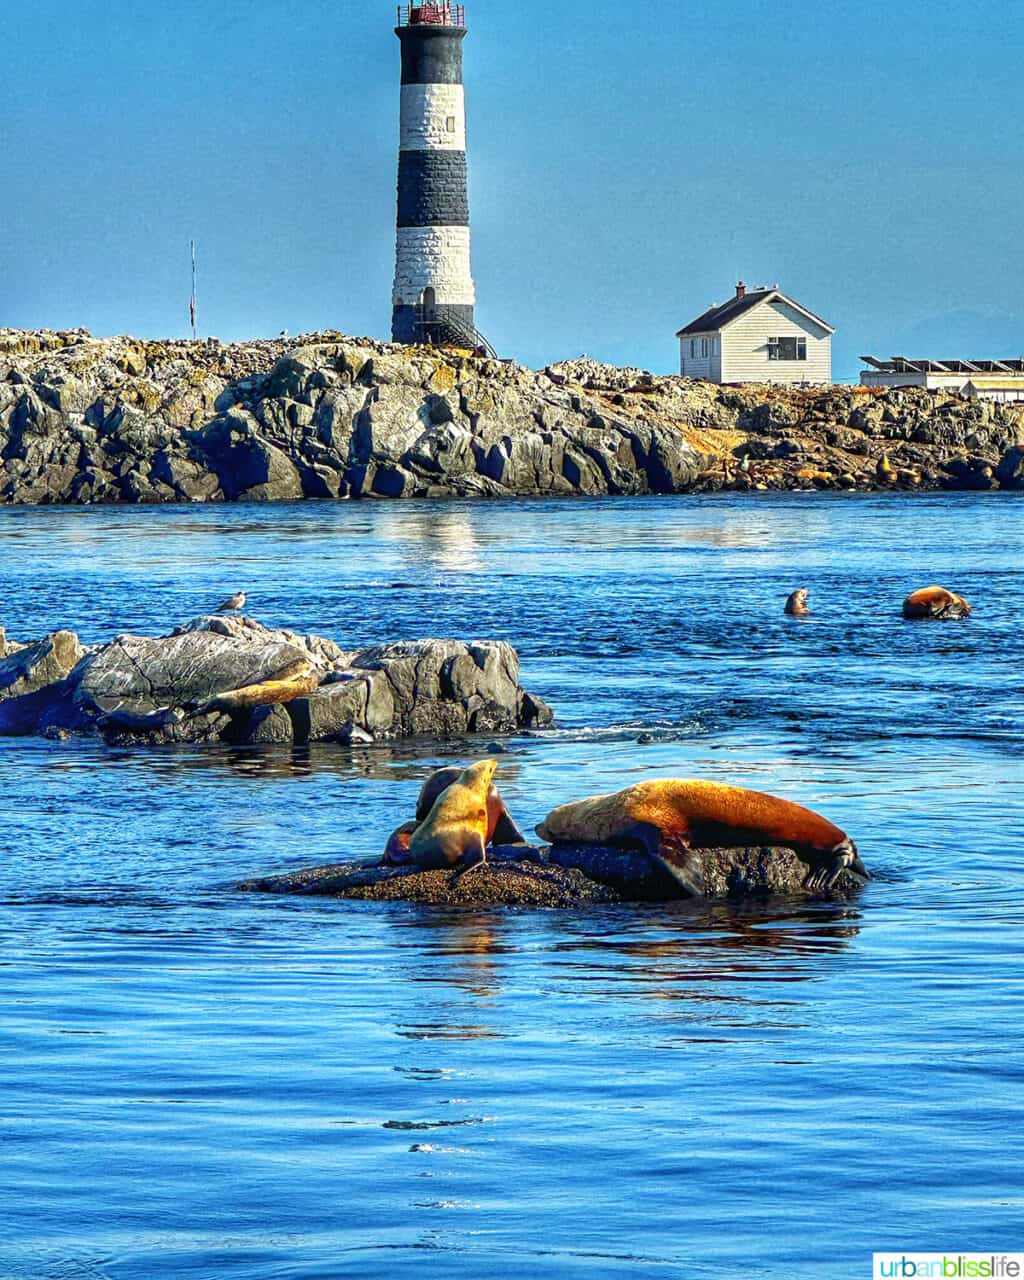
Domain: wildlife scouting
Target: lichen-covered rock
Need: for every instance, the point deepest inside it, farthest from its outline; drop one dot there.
(322, 416)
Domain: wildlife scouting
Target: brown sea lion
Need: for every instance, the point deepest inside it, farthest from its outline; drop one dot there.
(456, 826)
(501, 826)
(294, 680)
(935, 602)
(670, 818)
(796, 605)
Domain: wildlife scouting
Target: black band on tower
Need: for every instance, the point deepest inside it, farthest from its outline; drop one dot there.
(432, 189)
(414, 324)
(431, 55)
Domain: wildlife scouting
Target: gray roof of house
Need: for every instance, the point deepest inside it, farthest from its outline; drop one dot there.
(718, 317)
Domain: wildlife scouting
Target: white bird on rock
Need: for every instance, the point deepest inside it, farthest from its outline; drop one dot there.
(233, 604)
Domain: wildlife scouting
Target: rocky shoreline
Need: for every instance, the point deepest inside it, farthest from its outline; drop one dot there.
(90, 420)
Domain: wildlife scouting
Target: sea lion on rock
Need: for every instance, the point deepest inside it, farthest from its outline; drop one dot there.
(668, 818)
(456, 826)
(796, 605)
(501, 827)
(935, 602)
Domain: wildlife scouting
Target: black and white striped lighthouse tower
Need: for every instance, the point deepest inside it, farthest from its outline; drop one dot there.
(433, 296)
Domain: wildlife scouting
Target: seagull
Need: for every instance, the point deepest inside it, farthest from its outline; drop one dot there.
(233, 603)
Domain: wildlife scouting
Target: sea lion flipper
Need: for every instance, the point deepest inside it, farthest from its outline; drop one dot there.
(396, 851)
(468, 862)
(825, 866)
(505, 829)
(679, 862)
(688, 874)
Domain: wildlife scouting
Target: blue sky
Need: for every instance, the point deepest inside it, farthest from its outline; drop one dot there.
(627, 163)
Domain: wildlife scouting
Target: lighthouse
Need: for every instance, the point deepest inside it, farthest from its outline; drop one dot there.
(433, 295)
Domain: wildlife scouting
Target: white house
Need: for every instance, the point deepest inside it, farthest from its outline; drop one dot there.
(760, 335)
(979, 379)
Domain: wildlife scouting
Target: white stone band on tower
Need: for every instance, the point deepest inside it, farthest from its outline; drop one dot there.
(433, 295)
(433, 258)
(433, 117)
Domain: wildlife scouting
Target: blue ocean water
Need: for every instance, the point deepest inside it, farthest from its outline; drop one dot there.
(197, 1082)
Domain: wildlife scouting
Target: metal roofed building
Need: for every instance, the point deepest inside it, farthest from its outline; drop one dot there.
(1001, 380)
(760, 335)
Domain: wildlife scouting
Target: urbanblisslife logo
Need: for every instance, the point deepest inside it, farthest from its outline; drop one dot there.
(948, 1266)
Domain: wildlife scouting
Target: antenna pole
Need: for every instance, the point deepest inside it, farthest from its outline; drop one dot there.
(192, 299)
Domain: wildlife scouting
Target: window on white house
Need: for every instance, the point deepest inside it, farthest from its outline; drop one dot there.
(787, 348)
(693, 346)
(704, 347)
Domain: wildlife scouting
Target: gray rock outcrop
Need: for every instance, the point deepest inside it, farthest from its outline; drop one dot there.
(87, 420)
(1010, 472)
(230, 678)
(28, 668)
(36, 681)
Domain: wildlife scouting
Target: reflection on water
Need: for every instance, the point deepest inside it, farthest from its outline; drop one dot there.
(199, 1082)
(447, 540)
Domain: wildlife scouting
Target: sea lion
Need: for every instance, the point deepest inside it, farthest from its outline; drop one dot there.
(796, 605)
(668, 818)
(456, 826)
(501, 827)
(294, 680)
(935, 602)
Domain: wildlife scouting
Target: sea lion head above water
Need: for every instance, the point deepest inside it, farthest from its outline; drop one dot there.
(457, 824)
(796, 605)
(675, 817)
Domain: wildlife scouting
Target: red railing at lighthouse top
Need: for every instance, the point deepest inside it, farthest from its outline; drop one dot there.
(434, 15)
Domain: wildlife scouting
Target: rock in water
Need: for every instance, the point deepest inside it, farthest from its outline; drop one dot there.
(231, 678)
(497, 884)
(37, 665)
(569, 876)
(36, 682)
